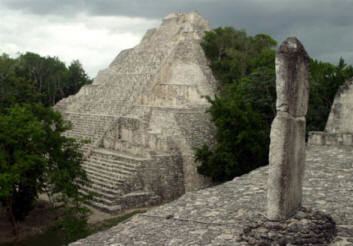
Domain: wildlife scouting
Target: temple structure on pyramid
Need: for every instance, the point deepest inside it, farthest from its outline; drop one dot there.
(144, 115)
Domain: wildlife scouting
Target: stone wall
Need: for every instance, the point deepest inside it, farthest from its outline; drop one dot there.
(164, 176)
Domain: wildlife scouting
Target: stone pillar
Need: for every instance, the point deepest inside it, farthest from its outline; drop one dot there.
(287, 148)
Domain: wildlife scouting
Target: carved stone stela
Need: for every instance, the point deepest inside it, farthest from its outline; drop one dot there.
(287, 148)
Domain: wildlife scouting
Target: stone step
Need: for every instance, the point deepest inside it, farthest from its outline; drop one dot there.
(87, 131)
(102, 184)
(85, 126)
(106, 176)
(106, 199)
(101, 194)
(103, 180)
(78, 133)
(104, 207)
(106, 170)
(102, 190)
(114, 155)
(112, 164)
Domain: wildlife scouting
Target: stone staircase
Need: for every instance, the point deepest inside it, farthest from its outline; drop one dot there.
(87, 126)
(116, 88)
(112, 176)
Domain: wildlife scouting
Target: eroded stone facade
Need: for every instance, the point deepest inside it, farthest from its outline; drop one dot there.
(144, 114)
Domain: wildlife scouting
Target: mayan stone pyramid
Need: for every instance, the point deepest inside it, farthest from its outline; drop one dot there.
(143, 115)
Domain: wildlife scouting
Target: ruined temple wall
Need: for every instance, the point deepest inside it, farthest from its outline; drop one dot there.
(183, 80)
(178, 102)
(184, 130)
(339, 126)
(127, 135)
(156, 180)
(168, 95)
(196, 129)
(341, 116)
(170, 132)
(164, 176)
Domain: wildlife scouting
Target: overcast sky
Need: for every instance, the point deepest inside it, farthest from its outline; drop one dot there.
(95, 31)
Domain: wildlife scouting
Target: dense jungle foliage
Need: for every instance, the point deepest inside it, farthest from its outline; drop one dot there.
(35, 157)
(244, 107)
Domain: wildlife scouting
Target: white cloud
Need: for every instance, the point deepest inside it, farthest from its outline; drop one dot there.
(94, 40)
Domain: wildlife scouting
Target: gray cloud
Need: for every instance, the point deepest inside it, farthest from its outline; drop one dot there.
(324, 26)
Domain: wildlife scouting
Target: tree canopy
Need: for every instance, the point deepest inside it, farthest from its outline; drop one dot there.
(35, 156)
(33, 78)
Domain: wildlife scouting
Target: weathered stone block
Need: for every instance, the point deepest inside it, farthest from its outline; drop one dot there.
(316, 138)
(331, 139)
(287, 158)
(292, 78)
(347, 139)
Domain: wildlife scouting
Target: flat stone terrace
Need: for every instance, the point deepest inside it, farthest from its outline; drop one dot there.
(216, 216)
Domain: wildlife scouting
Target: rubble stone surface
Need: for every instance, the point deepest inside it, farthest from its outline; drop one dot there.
(218, 215)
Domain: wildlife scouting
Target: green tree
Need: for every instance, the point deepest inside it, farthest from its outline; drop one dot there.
(244, 107)
(14, 89)
(50, 76)
(35, 156)
(233, 54)
(325, 79)
(77, 76)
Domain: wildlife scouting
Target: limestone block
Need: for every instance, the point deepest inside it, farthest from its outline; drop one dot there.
(287, 158)
(339, 139)
(292, 78)
(316, 138)
(331, 139)
(347, 139)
